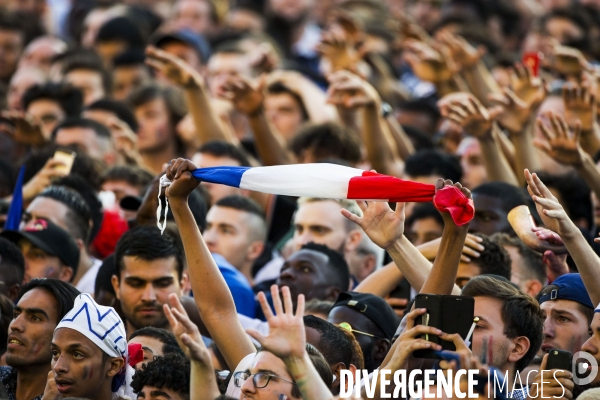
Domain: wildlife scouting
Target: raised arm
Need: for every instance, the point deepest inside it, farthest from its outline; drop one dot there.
(206, 121)
(203, 382)
(580, 107)
(480, 122)
(353, 92)
(211, 294)
(556, 219)
(287, 340)
(248, 98)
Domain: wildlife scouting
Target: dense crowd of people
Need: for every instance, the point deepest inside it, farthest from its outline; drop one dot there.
(253, 295)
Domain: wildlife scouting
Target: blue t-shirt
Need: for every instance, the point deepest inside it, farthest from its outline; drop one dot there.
(240, 288)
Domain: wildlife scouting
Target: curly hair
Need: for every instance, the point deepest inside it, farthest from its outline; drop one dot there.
(171, 372)
(494, 259)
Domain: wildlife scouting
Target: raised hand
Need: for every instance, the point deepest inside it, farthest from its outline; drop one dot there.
(516, 112)
(26, 130)
(186, 332)
(569, 61)
(287, 337)
(51, 391)
(350, 91)
(466, 111)
(428, 63)
(52, 170)
(580, 105)
(550, 210)
(462, 53)
(174, 68)
(529, 88)
(339, 42)
(182, 182)
(245, 97)
(471, 249)
(381, 224)
(559, 143)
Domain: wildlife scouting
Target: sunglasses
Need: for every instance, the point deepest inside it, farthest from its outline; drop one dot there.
(346, 326)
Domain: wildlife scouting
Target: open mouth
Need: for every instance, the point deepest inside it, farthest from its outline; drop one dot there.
(63, 386)
(14, 343)
(546, 348)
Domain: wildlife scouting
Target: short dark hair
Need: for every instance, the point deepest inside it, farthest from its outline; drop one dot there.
(534, 266)
(171, 96)
(280, 88)
(147, 243)
(64, 293)
(242, 203)
(520, 312)
(135, 176)
(12, 262)
(494, 259)
(422, 106)
(104, 277)
(337, 264)
(327, 140)
(86, 60)
(78, 217)
(334, 344)
(120, 29)
(171, 371)
(433, 162)
(87, 193)
(509, 195)
(130, 57)
(424, 211)
(170, 345)
(69, 98)
(118, 108)
(219, 148)
(85, 123)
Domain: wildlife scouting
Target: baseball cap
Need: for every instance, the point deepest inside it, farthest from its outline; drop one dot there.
(567, 287)
(198, 42)
(49, 237)
(373, 307)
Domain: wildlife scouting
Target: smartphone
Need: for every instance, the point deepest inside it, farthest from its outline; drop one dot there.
(450, 314)
(433, 316)
(457, 317)
(559, 359)
(532, 60)
(66, 158)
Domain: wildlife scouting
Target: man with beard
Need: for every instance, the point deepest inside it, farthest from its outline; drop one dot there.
(43, 303)
(149, 268)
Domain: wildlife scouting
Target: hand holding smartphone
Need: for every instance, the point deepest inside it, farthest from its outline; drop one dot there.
(67, 158)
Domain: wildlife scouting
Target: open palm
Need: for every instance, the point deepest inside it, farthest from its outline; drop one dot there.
(382, 225)
(287, 337)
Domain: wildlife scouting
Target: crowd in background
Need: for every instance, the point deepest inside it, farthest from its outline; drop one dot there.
(249, 295)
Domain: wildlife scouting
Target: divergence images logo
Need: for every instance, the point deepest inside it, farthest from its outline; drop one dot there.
(580, 369)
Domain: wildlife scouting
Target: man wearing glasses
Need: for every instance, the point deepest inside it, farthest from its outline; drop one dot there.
(372, 321)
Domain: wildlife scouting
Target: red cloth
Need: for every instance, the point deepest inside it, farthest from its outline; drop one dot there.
(135, 353)
(111, 230)
(372, 185)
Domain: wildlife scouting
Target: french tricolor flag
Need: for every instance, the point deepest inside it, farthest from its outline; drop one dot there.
(337, 182)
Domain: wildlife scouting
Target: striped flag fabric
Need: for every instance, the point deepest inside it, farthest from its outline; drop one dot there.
(15, 210)
(336, 182)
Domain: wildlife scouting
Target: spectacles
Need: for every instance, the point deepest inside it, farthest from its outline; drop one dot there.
(348, 327)
(260, 379)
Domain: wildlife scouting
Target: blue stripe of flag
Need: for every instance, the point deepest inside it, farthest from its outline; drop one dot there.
(230, 176)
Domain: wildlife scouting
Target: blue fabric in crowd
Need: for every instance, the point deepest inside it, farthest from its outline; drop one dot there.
(240, 288)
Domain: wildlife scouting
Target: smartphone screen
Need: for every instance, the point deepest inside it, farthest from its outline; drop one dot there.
(66, 158)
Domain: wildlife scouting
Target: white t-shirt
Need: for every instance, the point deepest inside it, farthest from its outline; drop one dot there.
(88, 281)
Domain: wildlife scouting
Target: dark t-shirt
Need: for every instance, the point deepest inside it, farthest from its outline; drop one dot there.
(8, 390)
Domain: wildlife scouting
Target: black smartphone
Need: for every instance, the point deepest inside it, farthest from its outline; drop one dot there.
(402, 291)
(457, 317)
(559, 359)
(450, 314)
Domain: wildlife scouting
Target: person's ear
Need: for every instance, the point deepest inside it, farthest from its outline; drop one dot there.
(381, 348)
(115, 284)
(353, 239)
(13, 291)
(335, 370)
(184, 283)
(332, 293)
(521, 345)
(115, 365)
(533, 287)
(369, 265)
(66, 274)
(255, 249)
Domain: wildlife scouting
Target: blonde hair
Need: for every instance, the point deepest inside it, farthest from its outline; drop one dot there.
(349, 205)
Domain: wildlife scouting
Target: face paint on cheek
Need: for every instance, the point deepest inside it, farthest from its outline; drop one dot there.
(86, 373)
(49, 271)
